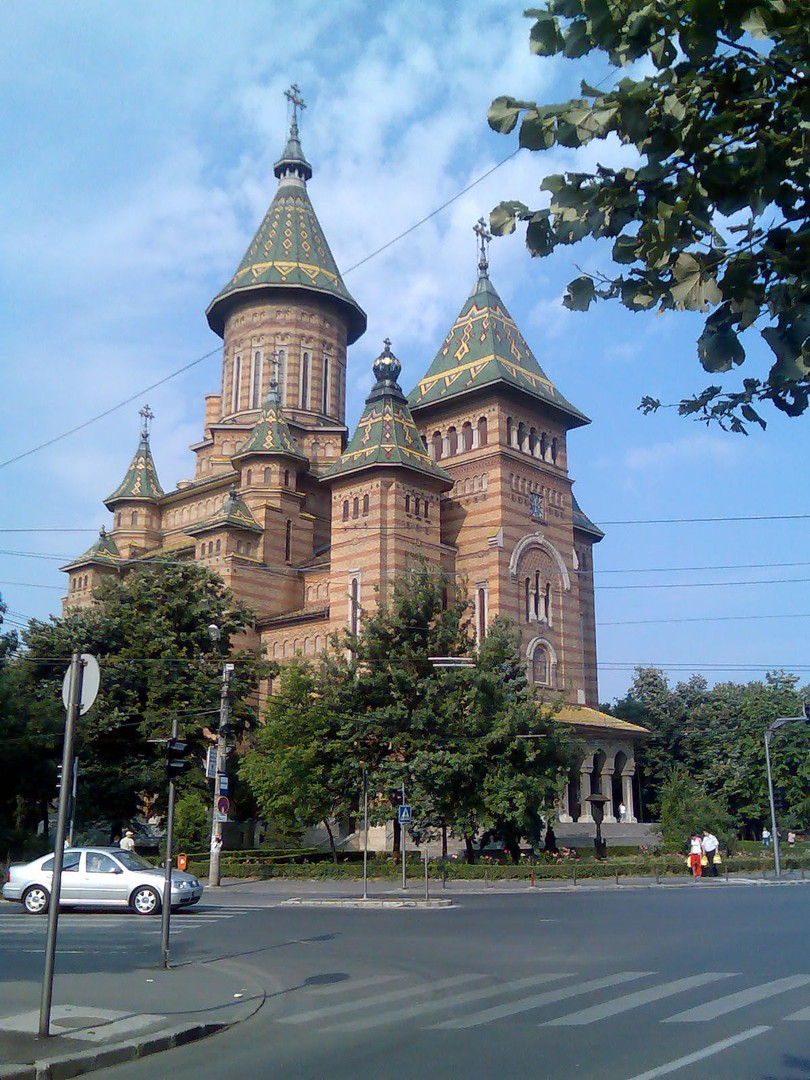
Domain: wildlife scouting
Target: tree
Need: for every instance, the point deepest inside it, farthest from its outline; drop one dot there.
(716, 736)
(687, 809)
(149, 632)
(716, 217)
(456, 738)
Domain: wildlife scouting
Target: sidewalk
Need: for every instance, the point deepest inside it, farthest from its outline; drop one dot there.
(116, 1018)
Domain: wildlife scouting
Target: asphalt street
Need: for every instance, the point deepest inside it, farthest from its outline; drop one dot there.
(623, 984)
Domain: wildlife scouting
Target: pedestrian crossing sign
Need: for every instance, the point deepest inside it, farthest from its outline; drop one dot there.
(405, 817)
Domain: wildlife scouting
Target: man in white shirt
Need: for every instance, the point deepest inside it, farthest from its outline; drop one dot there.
(127, 842)
(710, 846)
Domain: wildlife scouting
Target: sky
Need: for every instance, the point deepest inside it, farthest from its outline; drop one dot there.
(138, 142)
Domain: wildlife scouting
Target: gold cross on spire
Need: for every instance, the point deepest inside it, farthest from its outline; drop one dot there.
(293, 95)
(146, 415)
(484, 236)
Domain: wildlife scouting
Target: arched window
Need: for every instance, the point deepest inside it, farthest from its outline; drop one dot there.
(437, 445)
(528, 599)
(482, 431)
(540, 667)
(467, 436)
(452, 441)
(427, 509)
(482, 614)
(237, 379)
(554, 451)
(537, 594)
(210, 547)
(286, 478)
(326, 388)
(532, 441)
(521, 436)
(355, 507)
(365, 505)
(267, 475)
(134, 517)
(218, 546)
(256, 381)
(407, 504)
(288, 541)
(510, 434)
(238, 547)
(345, 509)
(282, 373)
(543, 445)
(547, 603)
(305, 380)
(249, 477)
(354, 606)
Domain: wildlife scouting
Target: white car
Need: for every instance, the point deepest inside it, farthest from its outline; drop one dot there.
(99, 877)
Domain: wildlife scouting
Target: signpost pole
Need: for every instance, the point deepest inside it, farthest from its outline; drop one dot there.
(165, 914)
(74, 704)
(427, 886)
(402, 844)
(216, 823)
(365, 834)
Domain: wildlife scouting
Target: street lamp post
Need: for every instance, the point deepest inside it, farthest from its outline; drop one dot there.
(779, 722)
(597, 802)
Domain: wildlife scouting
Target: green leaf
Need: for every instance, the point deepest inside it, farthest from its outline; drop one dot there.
(503, 218)
(719, 348)
(536, 133)
(503, 114)
(625, 250)
(539, 234)
(545, 38)
(580, 294)
(578, 41)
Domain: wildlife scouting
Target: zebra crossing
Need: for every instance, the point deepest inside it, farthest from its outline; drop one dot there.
(15, 923)
(445, 1004)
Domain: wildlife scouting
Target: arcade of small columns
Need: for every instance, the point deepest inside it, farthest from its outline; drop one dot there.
(604, 770)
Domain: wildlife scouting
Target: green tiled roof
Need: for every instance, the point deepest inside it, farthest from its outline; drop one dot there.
(103, 553)
(233, 514)
(386, 433)
(582, 522)
(289, 250)
(271, 434)
(141, 480)
(485, 347)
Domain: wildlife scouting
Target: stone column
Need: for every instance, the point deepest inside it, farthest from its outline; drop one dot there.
(607, 789)
(564, 804)
(627, 794)
(585, 770)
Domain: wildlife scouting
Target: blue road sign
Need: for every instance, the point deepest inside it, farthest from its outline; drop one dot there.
(405, 817)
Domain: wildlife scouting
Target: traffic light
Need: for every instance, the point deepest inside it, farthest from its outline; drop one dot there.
(176, 758)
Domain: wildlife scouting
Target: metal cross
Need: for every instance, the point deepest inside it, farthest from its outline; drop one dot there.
(484, 236)
(146, 414)
(293, 95)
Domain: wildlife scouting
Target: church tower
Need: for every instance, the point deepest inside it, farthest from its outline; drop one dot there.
(496, 423)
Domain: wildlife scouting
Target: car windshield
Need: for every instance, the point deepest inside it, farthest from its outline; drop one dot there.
(132, 861)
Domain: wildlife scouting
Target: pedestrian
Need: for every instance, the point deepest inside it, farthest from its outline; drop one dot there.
(551, 841)
(766, 837)
(711, 847)
(127, 842)
(696, 855)
(791, 837)
(622, 812)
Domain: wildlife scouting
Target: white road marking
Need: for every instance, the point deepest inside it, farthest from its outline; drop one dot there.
(723, 1005)
(410, 1011)
(498, 1012)
(639, 998)
(350, 984)
(376, 1000)
(699, 1055)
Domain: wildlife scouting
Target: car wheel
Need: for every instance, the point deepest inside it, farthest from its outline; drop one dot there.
(145, 901)
(35, 900)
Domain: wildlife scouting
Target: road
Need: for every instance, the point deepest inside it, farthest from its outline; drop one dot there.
(710, 982)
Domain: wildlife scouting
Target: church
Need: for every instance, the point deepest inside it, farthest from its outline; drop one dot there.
(305, 521)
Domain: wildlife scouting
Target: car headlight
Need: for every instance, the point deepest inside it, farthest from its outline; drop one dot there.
(182, 884)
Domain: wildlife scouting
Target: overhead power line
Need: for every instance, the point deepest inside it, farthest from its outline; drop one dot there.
(698, 619)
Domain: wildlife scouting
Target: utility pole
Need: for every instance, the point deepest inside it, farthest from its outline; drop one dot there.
(216, 824)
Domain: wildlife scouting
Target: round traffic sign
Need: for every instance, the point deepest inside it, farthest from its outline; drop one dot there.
(91, 677)
(223, 804)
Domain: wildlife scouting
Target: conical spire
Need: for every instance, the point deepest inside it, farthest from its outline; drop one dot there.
(289, 250)
(582, 522)
(484, 347)
(141, 479)
(233, 514)
(386, 433)
(271, 434)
